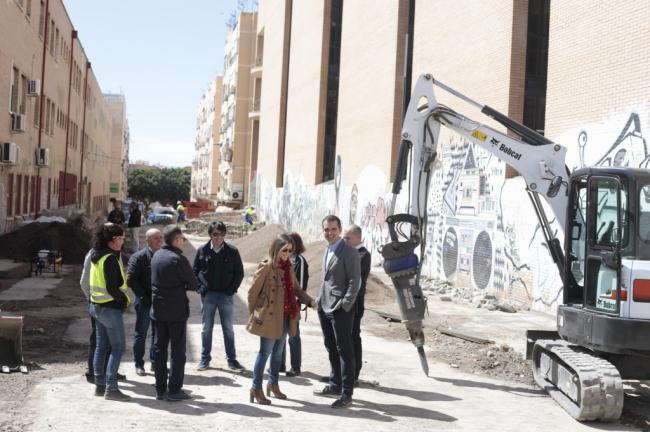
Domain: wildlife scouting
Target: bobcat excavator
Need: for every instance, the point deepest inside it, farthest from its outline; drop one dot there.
(603, 325)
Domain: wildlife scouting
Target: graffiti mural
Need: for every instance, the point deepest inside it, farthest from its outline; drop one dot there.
(482, 234)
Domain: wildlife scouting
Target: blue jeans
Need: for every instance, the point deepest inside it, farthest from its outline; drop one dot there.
(110, 334)
(210, 303)
(273, 348)
(295, 345)
(142, 324)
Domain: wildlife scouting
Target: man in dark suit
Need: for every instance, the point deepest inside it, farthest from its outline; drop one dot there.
(352, 236)
(336, 301)
(171, 278)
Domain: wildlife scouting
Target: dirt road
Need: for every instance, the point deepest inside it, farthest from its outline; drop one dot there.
(394, 395)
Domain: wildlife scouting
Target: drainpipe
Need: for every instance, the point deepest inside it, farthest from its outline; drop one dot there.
(41, 100)
(83, 134)
(62, 189)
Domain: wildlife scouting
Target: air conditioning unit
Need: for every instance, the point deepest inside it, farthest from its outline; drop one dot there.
(43, 157)
(237, 192)
(17, 122)
(10, 153)
(33, 87)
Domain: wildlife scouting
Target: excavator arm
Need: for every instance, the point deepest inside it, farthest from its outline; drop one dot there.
(539, 161)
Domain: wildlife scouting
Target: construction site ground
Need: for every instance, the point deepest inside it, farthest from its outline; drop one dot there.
(471, 386)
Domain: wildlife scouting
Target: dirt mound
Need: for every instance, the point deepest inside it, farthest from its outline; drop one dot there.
(254, 247)
(23, 243)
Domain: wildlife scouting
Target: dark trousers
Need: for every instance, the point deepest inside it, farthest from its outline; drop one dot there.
(92, 345)
(337, 334)
(356, 335)
(174, 334)
(142, 324)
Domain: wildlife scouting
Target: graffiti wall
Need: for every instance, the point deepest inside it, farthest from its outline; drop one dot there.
(482, 233)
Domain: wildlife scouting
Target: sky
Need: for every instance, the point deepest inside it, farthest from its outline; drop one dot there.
(162, 55)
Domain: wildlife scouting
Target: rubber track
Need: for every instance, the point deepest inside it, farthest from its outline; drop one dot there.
(601, 388)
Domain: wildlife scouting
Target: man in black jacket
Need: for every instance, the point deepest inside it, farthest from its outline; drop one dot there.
(219, 271)
(116, 215)
(171, 277)
(352, 236)
(138, 278)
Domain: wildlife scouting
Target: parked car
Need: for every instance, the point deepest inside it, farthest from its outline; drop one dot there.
(162, 215)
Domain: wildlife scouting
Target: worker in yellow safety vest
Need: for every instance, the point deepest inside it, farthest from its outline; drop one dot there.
(109, 298)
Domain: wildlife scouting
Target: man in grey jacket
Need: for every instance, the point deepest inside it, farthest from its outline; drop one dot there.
(336, 300)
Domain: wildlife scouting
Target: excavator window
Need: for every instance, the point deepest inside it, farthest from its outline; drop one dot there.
(644, 213)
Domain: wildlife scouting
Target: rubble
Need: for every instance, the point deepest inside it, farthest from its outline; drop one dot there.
(70, 239)
(446, 291)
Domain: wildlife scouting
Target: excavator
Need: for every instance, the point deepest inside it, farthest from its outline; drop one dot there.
(603, 322)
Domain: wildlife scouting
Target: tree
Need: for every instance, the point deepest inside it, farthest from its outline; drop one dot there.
(165, 185)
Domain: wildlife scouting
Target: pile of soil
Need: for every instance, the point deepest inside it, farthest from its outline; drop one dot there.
(23, 244)
(254, 247)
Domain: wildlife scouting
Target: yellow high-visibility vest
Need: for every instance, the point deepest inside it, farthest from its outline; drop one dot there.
(98, 291)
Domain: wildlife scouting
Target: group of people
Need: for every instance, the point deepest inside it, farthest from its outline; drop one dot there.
(160, 275)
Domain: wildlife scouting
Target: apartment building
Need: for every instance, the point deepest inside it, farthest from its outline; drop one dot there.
(235, 130)
(205, 165)
(332, 87)
(56, 133)
(119, 146)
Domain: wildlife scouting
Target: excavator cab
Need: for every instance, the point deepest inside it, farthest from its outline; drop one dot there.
(606, 303)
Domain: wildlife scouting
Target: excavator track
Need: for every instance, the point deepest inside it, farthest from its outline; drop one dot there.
(588, 387)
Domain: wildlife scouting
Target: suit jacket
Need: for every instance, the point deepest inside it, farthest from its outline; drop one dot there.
(366, 259)
(341, 280)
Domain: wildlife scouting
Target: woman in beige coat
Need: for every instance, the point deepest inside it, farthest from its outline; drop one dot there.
(273, 312)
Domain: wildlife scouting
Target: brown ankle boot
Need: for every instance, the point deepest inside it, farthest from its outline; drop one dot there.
(257, 395)
(275, 389)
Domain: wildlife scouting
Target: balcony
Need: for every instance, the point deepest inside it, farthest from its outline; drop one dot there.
(254, 111)
(256, 68)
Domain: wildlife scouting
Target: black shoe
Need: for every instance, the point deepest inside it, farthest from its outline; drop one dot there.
(139, 370)
(234, 365)
(293, 372)
(100, 390)
(179, 396)
(116, 395)
(324, 379)
(328, 391)
(343, 401)
(90, 377)
(161, 396)
(203, 365)
(121, 377)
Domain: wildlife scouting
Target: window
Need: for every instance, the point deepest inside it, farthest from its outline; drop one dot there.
(47, 115)
(57, 41)
(51, 39)
(37, 110)
(41, 20)
(331, 108)
(13, 101)
(536, 64)
(608, 233)
(644, 213)
(23, 95)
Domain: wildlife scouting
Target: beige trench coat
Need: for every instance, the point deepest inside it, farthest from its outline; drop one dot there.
(266, 303)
